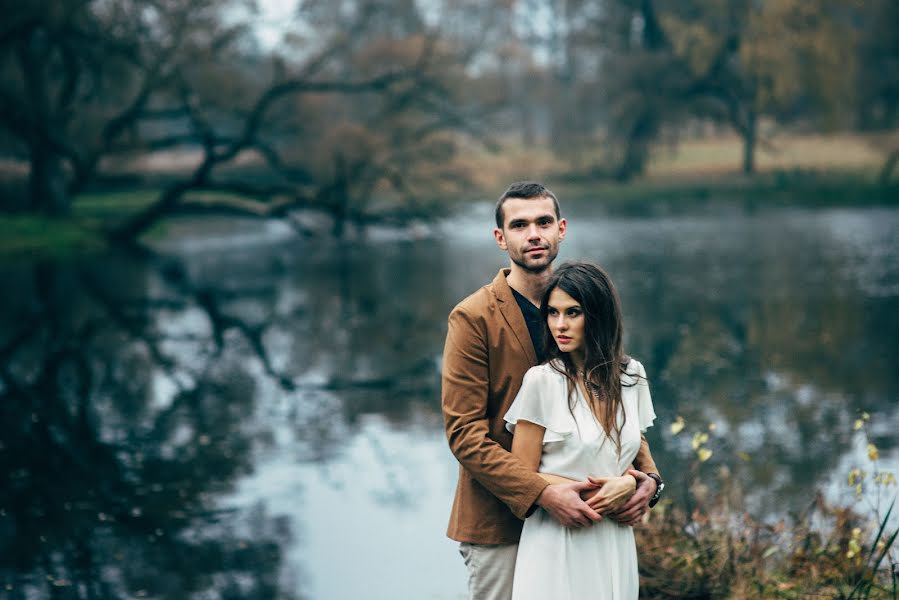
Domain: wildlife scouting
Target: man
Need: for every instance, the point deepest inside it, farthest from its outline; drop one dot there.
(492, 340)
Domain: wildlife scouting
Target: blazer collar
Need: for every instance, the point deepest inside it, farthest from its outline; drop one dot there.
(511, 312)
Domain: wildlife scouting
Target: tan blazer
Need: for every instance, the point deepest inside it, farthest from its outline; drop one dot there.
(488, 350)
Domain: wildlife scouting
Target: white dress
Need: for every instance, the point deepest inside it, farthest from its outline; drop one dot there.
(597, 562)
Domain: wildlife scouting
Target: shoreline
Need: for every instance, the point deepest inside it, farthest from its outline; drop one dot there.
(82, 231)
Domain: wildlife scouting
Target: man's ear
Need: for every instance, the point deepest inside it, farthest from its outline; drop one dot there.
(563, 227)
(500, 239)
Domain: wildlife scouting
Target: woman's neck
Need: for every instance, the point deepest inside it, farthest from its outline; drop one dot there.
(577, 359)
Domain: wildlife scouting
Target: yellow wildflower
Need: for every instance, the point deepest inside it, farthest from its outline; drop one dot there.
(873, 454)
(699, 439)
(678, 425)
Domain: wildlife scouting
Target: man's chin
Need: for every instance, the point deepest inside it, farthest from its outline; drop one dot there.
(535, 266)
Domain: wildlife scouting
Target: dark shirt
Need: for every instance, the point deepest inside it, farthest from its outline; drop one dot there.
(534, 322)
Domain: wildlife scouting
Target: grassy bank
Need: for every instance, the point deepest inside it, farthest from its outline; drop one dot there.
(83, 230)
(806, 189)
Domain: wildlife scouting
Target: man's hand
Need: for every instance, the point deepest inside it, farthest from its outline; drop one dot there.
(613, 492)
(634, 509)
(563, 502)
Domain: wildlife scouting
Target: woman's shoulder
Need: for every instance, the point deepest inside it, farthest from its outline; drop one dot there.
(634, 372)
(545, 372)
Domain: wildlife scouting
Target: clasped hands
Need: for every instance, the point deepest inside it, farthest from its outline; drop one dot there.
(624, 499)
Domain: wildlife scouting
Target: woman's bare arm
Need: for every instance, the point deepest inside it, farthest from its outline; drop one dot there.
(608, 494)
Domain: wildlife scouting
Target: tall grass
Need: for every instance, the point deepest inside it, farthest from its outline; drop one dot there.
(710, 547)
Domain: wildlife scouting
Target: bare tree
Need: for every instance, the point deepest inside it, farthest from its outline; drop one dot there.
(77, 77)
(357, 105)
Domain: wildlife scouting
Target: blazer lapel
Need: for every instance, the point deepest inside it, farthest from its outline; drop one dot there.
(512, 314)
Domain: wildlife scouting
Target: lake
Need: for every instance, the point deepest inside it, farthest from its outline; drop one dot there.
(242, 412)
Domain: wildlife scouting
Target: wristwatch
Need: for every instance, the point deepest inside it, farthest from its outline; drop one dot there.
(660, 485)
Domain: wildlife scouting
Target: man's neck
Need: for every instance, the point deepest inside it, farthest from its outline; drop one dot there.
(528, 284)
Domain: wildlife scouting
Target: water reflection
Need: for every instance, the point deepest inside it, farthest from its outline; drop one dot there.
(115, 444)
(262, 419)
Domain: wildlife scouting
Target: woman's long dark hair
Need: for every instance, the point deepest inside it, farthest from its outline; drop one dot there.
(604, 358)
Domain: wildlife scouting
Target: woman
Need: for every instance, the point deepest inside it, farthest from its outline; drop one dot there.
(580, 415)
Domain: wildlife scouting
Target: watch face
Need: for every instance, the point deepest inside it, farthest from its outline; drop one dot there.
(660, 485)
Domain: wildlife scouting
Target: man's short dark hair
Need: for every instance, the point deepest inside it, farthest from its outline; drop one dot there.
(526, 190)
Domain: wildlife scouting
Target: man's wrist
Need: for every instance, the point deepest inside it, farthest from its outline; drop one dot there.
(660, 485)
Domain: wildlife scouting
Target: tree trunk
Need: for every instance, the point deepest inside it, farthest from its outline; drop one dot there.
(47, 187)
(636, 153)
(888, 166)
(749, 141)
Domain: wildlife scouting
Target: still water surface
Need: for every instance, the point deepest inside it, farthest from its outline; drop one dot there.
(245, 414)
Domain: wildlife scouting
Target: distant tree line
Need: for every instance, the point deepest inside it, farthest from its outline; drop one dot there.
(369, 97)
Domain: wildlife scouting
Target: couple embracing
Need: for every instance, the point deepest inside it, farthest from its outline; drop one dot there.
(545, 413)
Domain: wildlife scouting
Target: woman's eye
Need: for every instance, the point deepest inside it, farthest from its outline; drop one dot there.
(573, 312)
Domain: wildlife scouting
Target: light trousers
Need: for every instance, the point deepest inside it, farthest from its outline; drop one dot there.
(490, 570)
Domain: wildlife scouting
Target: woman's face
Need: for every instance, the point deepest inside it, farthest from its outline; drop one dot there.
(565, 318)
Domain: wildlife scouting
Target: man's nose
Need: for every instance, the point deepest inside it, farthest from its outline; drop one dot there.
(533, 232)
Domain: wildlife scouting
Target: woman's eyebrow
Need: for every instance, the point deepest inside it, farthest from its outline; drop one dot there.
(565, 307)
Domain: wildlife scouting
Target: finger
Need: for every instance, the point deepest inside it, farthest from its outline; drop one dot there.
(637, 521)
(583, 485)
(582, 521)
(591, 514)
(629, 515)
(598, 480)
(627, 506)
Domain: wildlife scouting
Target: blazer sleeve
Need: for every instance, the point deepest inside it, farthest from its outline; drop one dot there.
(643, 461)
(465, 385)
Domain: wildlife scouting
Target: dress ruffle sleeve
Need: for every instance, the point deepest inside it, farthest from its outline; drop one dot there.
(542, 400)
(645, 412)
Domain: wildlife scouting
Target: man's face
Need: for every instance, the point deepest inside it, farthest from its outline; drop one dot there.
(531, 232)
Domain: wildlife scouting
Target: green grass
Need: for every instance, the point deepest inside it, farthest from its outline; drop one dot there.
(25, 235)
(79, 233)
(83, 230)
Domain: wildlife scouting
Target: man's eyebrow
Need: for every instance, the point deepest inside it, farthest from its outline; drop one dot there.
(547, 216)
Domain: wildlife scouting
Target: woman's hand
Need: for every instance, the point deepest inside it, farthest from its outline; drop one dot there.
(612, 494)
